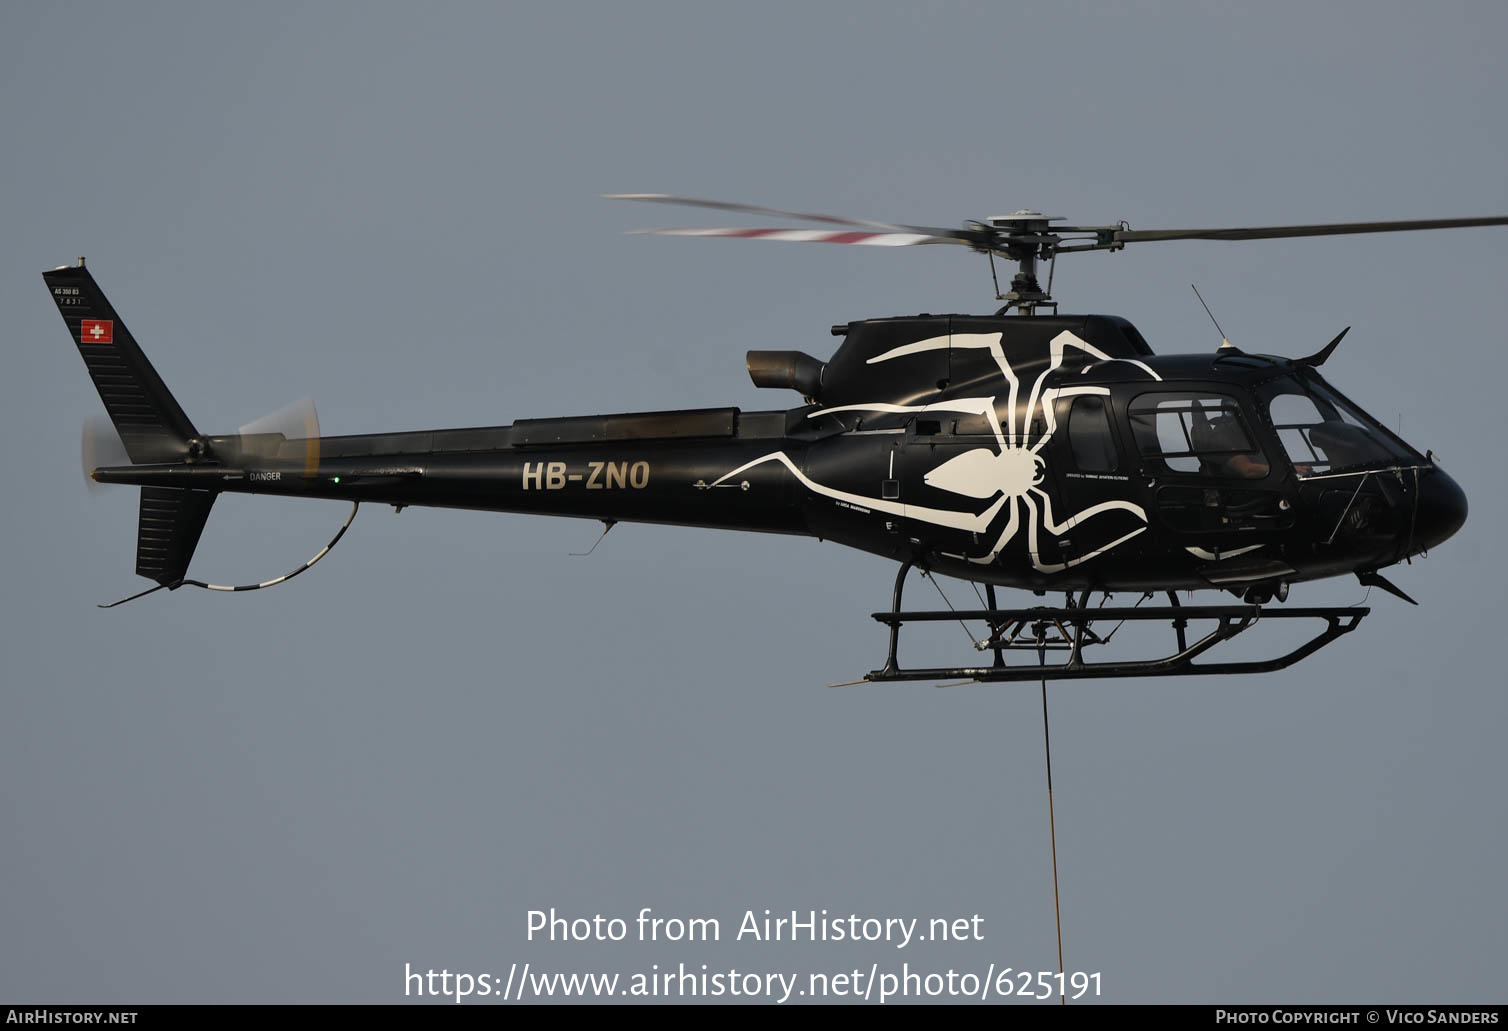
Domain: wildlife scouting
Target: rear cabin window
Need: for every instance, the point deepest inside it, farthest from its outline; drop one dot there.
(1200, 434)
(1089, 435)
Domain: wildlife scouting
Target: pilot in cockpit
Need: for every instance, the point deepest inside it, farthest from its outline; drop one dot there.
(1224, 434)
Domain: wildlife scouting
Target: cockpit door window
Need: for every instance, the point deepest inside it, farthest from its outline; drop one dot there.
(1203, 434)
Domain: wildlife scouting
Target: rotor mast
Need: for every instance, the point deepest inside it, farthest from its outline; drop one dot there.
(1028, 239)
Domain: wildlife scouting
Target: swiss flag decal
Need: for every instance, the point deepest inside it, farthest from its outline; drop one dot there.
(97, 331)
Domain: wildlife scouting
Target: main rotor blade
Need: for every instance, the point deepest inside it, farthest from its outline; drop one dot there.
(870, 239)
(755, 209)
(1273, 232)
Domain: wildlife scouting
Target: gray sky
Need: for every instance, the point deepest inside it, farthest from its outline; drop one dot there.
(286, 796)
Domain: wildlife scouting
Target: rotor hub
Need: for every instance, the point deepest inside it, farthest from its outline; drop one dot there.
(1023, 220)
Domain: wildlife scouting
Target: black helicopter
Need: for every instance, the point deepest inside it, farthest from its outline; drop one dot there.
(1051, 453)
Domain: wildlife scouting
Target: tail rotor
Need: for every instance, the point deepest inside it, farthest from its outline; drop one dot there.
(289, 434)
(100, 447)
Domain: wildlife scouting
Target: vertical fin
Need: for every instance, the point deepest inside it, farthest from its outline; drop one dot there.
(148, 419)
(172, 518)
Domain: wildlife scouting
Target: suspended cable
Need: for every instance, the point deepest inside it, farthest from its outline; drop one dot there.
(1052, 823)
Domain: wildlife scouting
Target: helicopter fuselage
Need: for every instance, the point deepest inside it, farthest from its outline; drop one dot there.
(1052, 452)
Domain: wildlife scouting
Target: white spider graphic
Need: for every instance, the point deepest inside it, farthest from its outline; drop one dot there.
(1013, 472)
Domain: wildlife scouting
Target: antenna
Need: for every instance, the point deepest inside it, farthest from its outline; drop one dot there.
(1224, 340)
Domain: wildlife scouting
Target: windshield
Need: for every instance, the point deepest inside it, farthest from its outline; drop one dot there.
(1322, 432)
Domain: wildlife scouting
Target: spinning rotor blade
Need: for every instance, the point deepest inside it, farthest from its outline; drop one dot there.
(1273, 232)
(295, 420)
(755, 209)
(1024, 237)
(100, 447)
(870, 239)
(290, 433)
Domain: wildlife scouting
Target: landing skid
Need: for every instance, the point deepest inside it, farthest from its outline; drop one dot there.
(1072, 630)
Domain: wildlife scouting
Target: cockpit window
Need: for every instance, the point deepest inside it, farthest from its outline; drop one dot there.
(1321, 432)
(1203, 434)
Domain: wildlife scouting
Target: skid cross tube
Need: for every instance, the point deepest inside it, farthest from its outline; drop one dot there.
(1028, 629)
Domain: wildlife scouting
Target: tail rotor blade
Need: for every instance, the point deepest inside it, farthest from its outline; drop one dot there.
(99, 447)
(291, 432)
(295, 420)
